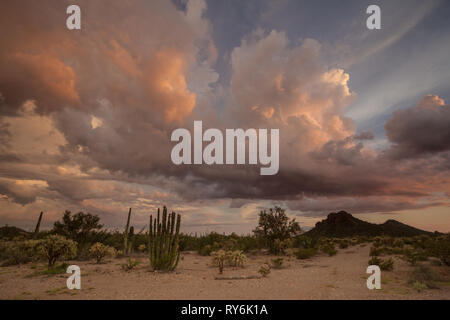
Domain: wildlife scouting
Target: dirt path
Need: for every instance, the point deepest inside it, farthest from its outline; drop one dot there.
(339, 277)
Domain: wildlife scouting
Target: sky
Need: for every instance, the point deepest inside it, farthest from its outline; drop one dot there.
(86, 115)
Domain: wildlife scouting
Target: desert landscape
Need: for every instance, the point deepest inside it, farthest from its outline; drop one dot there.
(201, 149)
(342, 276)
(304, 265)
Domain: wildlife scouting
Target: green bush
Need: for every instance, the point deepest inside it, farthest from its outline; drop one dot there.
(305, 242)
(206, 250)
(419, 286)
(279, 246)
(412, 256)
(387, 265)
(424, 277)
(277, 263)
(56, 269)
(375, 251)
(443, 250)
(275, 228)
(375, 261)
(83, 228)
(57, 247)
(19, 252)
(343, 244)
(328, 249)
(130, 264)
(306, 253)
(398, 243)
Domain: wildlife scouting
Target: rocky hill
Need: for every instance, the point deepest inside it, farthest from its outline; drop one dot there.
(343, 224)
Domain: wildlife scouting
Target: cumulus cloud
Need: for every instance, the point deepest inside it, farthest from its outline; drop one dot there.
(421, 130)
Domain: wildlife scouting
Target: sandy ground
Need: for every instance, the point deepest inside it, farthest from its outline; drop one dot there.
(339, 277)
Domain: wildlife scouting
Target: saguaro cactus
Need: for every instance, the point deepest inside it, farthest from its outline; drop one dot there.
(38, 224)
(164, 251)
(125, 235)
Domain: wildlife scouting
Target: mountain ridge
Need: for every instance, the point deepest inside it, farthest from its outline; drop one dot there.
(343, 224)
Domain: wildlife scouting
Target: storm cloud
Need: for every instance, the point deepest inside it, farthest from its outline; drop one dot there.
(86, 118)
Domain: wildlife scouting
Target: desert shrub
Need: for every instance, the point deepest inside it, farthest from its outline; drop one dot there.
(57, 247)
(130, 264)
(264, 270)
(206, 250)
(275, 225)
(83, 228)
(218, 259)
(388, 250)
(305, 242)
(56, 269)
(412, 256)
(387, 265)
(443, 250)
(99, 251)
(374, 261)
(280, 246)
(277, 263)
(11, 233)
(377, 242)
(435, 262)
(328, 249)
(419, 286)
(392, 250)
(19, 251)
(325, 242)
(206, 243)
(398, 243)
(229, 244)
(306, 253)
(343, 244)
(387, 241)
(236, 258)
(424, 277)
(408, 240)
(375, 251)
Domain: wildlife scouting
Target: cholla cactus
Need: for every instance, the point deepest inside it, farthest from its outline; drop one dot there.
(264, 270)
(218, 259)
(163, 247)
(100, 251)
(55, 246)
(236, 258)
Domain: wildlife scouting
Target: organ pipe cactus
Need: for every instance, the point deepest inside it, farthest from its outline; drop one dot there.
(36, 231)
(163, 247)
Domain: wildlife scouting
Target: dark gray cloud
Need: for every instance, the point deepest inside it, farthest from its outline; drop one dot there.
(421, 130)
